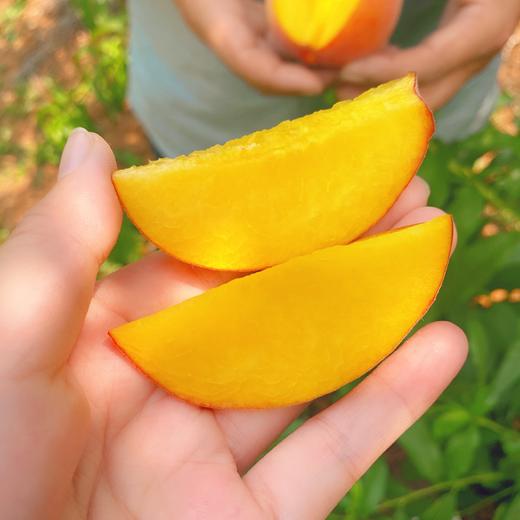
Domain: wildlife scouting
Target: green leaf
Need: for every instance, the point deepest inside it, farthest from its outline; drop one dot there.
(507, 376)
(501, 322)
(330, 97)
(473, 267)
(479, 404)
(436, 174)
(478, 348)
(511, 446)
(374, 487)
(500, 512)
(511, 464)
(460, 452)
(450, 422)
(396, 488)
(425, 454)
(354, 503)
(400, 514)
(129, 246)
(508, 277)
(509, 184)
(467, 209)
(365, 495)
(126, 158)
(108, 267)
(443, 508)
(513, 511)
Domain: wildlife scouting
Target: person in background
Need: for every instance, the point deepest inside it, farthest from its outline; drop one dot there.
(203, 72)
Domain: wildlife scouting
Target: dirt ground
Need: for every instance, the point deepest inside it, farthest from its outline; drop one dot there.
(48, 35)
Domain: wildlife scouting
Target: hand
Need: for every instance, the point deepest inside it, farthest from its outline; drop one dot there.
(84, 434)
(237, 31)
(471, 33)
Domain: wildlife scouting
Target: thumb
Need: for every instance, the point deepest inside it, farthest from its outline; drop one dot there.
(49, 265)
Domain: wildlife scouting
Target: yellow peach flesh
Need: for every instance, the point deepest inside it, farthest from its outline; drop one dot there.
(296, 331)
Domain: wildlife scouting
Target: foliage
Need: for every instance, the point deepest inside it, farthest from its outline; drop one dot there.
(463, 457)
(8, 16)
(106, 50)
(56, 120)
(101, 69)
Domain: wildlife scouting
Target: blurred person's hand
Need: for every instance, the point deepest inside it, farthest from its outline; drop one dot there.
(470, 35)
(237, 31)
(83, 433)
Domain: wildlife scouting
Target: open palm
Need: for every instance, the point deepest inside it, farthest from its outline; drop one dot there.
(84, 434)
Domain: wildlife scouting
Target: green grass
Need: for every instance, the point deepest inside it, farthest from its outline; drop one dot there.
(464, 455)
(8, 18)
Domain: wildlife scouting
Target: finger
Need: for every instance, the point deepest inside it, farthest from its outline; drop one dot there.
(154, 283)
(249, 433)
(469, 36)
(237, 32)
(419, 215)
(157, 282)
(348, 91)
(307, 474)
(435, 93)
(260, 66)
(414, 196)
(438, 93)
(256, 16)
(249, 55)
(48, 267)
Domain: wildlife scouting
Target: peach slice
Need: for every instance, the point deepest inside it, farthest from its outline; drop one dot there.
(333, 32)
(306, 184)
(296, 331)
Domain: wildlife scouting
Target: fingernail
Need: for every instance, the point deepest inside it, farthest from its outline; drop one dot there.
(75, 152)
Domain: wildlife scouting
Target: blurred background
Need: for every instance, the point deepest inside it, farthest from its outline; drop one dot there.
(63, 65)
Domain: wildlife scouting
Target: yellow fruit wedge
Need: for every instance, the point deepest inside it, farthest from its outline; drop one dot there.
(296, 331)
(316, 23)
(304, 185)
(332, 32)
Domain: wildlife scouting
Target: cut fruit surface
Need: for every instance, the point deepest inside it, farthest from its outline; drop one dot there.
(332, 32)
(314, 23)
(306, 184)
(296, 331)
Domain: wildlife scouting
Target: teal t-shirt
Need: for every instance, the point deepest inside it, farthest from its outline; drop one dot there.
(470, 109)
(187, 99)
